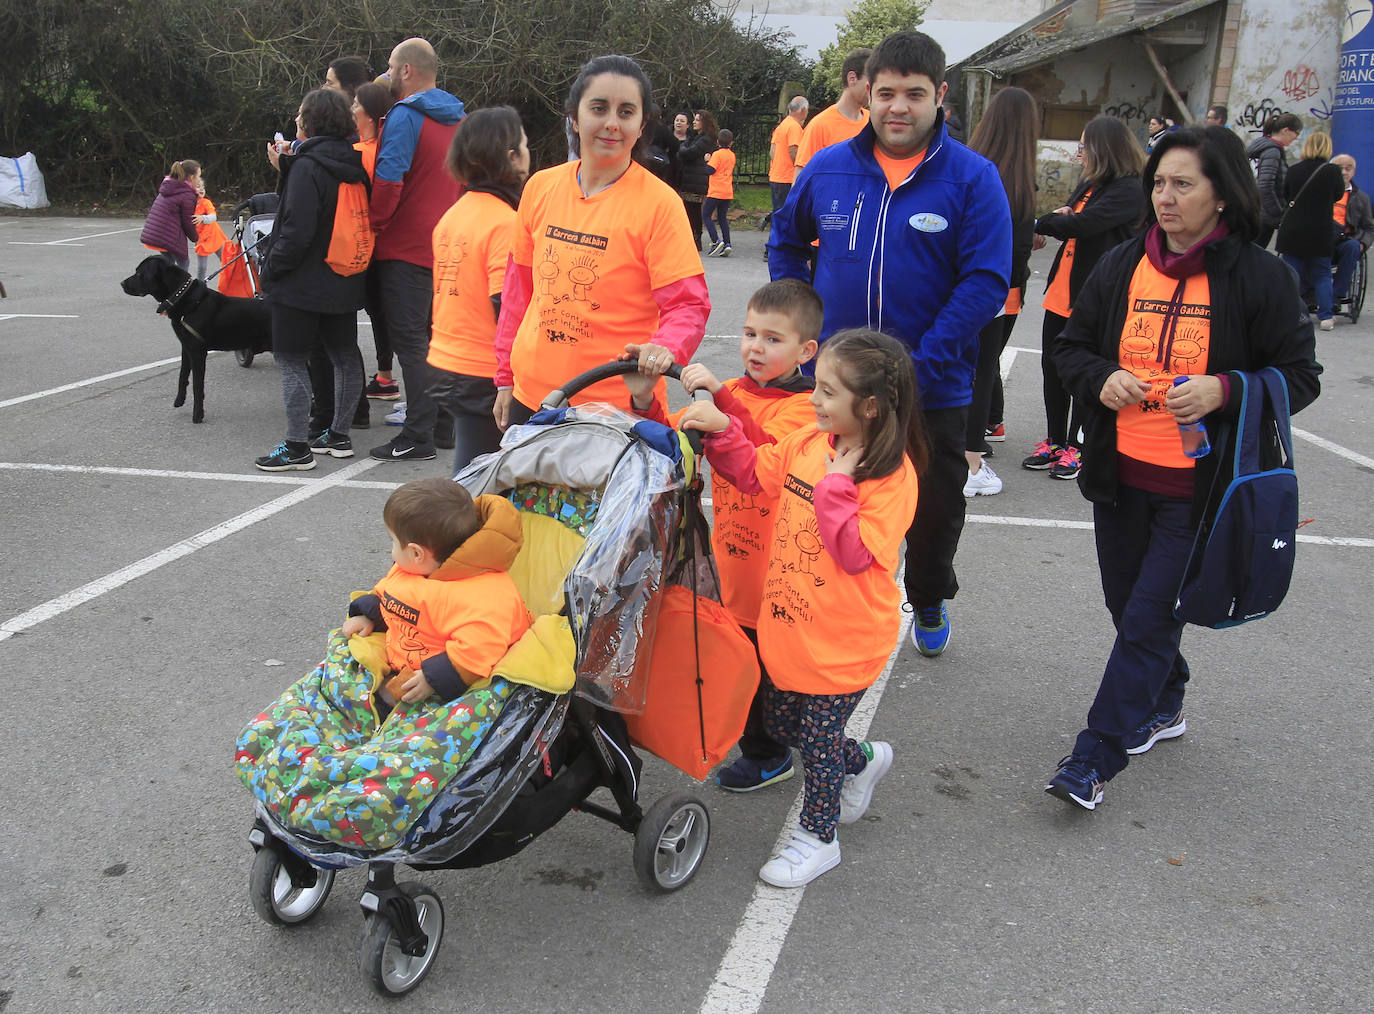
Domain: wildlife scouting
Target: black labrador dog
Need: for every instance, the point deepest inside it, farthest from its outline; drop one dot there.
(204, 321)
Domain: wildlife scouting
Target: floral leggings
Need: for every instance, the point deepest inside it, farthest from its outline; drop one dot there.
(814, 724)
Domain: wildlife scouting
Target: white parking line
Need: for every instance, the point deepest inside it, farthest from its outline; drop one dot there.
(744, 972)
(39, 316)
(87, 383)
(101, 585)
(74, 240)
(995, 519)
(1327, 445)
(262, 478)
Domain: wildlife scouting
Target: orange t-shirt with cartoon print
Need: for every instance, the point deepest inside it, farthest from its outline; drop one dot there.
(471, 248)
(1163, 337)
(821, 630)
(1057, 295)
(741, 523)
(596, 262)
(474, 620)
(722, 185)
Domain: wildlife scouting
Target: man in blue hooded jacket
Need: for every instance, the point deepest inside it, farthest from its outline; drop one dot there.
(914, 236)
(411, 190)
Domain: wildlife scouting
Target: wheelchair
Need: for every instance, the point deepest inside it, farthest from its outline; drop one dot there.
(1359, 282)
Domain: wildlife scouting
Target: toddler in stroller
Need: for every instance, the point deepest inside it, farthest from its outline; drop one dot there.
(601, 500)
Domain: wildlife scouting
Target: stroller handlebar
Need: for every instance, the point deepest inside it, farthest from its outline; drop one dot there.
(620, 368)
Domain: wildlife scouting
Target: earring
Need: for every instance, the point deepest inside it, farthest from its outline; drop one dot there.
(1220, 208)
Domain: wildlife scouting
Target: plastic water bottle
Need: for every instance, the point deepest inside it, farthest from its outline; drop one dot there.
(1194, 434)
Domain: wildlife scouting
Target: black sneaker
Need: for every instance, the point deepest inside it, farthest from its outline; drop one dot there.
(1077, 781)
(286, 458)
(1156, 727)
(746, 774)
(382, 389)
(1043, 457)
(401, 449)
(330, 442)
(362, 418)
(1068, 464)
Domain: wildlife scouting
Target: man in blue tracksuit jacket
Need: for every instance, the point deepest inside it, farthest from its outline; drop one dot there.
(915, 241)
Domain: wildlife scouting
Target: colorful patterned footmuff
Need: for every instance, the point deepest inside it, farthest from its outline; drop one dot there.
(320, 762)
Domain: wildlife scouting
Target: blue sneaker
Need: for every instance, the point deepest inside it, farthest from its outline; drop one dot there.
(1156, 727)
(1077, 781)
(746, 775)
(930, 632)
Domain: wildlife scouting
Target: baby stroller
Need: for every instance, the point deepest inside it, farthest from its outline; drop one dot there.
(245, 252)
(610, 511)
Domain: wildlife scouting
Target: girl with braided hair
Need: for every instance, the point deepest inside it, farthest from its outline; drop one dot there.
(845, 489)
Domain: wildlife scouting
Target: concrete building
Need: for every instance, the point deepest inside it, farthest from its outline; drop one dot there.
(1139, 58)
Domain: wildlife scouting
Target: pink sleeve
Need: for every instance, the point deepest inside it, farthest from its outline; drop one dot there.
(683, 307)
(732, 455)
(836, 500)
(727, 402)
(516, 293)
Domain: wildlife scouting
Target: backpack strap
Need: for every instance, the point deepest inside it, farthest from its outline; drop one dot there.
(1264, 395)
(1276, 397)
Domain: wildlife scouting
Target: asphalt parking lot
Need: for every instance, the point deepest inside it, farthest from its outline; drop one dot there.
(161, 591)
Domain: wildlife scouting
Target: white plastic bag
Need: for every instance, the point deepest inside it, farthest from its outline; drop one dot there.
(21, 184)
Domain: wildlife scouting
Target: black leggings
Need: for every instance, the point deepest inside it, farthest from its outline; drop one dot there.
(987, 380)
(1058, 405)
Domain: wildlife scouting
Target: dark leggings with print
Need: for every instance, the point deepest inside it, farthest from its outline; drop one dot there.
(814, 724)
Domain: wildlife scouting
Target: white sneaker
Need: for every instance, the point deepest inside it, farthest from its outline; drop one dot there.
(857, 791)
(1328, 325)
(984, 482)
(804, 858)
(398, 417)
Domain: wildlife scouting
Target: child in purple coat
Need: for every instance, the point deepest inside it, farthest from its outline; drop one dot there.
(171, 219)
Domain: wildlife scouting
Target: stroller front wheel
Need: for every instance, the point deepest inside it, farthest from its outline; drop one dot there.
(671, 841)
(383, 958)
(278, 900)
(245, 357)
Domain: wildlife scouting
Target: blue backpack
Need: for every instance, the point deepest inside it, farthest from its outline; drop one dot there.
(1241, 564)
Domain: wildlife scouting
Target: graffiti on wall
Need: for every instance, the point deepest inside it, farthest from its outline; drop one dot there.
(1300, 83)
(1125, 111)
(1255, 114)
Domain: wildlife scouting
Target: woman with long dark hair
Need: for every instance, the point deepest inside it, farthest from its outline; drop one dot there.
(1005, 136)
(1193, 299)
(1103, 211)
(694, 175)
(602, 262)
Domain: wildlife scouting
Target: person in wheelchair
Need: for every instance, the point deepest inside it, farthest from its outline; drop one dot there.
(1354, 224)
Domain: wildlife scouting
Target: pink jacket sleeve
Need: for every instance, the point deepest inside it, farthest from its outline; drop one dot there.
(683, 307)
(732, 455)
(836, 500)
(727, 402)
(516, 293)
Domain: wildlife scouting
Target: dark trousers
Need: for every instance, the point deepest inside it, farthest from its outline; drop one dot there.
(1142, 551)
(987, 381)
(1058, 405)
(713, 212)
(778, 193)
(933, 537)
(406, 292)
(468, 400)
(1315, 275)
(377, 315)
(692, 202)
(1347, 256)
(756, 744)
(297, 335)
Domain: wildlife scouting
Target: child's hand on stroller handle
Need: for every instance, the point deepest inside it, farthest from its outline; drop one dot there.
(704, 416)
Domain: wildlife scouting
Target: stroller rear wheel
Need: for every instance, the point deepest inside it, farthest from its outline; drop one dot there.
(383, 958)
(277, 899)
(671, 841)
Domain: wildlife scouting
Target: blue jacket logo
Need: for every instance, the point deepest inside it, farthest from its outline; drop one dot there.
(928, 221)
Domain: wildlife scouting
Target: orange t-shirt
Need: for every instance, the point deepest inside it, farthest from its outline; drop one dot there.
(471, 248)
(1157, 347)
(786, 134)
(897, 169)
(209, 236)
(821, 630)
(596, 262)
(368, 151)
(722, 185)
(1057, 295)
(741, 524)
(1338, 210)
(829, 126)
(1013, 304)
(475, 619)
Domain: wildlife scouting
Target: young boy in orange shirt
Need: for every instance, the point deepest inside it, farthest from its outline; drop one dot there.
(448, 605)
(719, 193)
(781, 328)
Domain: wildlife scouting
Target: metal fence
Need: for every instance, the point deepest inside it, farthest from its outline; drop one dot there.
(752, 133)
